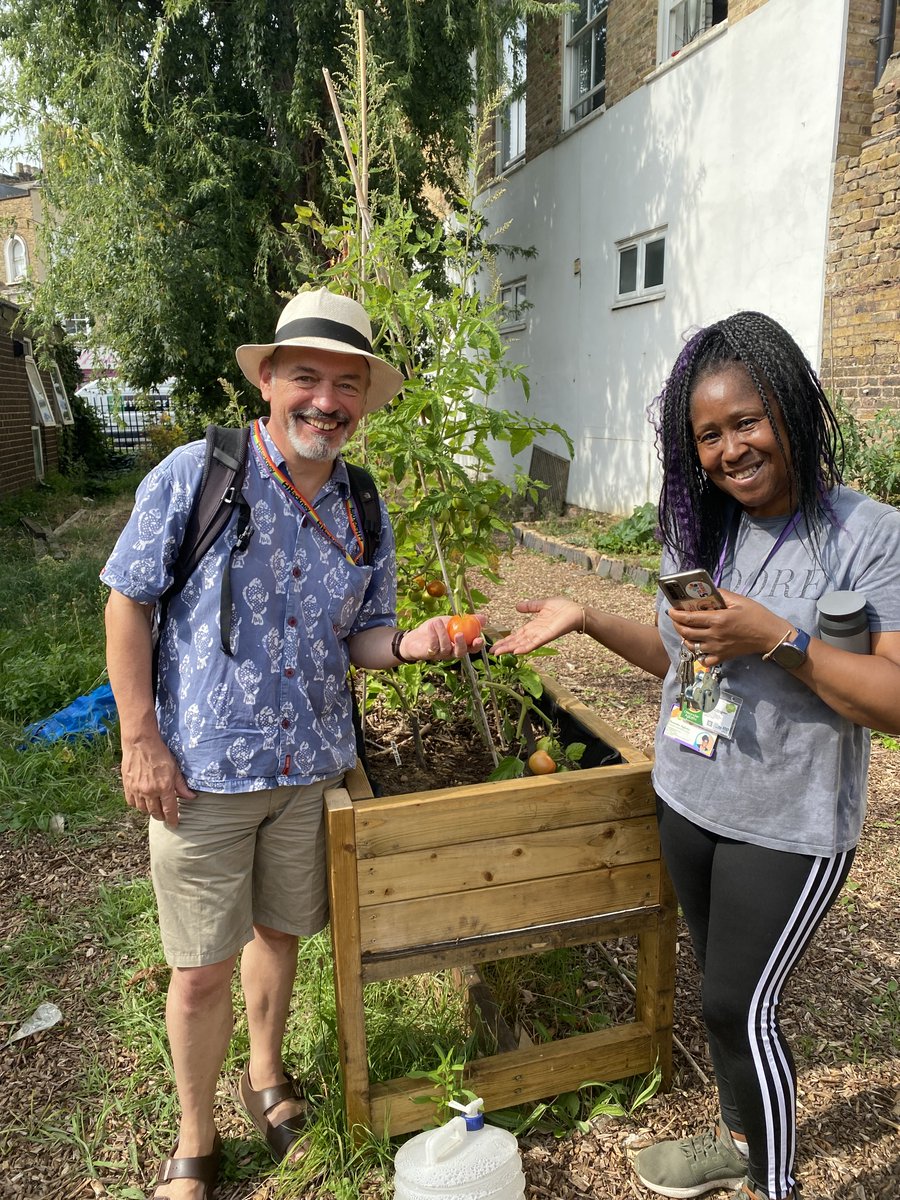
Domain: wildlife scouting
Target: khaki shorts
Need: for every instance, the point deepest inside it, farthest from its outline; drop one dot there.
(235, 861)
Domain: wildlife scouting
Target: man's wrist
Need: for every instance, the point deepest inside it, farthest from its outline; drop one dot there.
(396, 641)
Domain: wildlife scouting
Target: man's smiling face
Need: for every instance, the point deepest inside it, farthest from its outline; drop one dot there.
(316, 399)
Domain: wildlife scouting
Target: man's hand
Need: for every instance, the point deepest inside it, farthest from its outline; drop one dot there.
(152, 780)
(430, 642)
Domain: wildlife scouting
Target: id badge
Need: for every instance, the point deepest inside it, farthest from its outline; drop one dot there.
(699, 730)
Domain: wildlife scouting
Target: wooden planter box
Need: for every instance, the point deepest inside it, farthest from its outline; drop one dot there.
(463, 875)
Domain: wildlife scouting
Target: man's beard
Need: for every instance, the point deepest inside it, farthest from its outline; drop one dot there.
(311, 444)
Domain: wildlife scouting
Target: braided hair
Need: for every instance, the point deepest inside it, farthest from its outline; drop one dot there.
(694, 515)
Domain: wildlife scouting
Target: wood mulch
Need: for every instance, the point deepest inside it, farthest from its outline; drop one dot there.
(842, 1014)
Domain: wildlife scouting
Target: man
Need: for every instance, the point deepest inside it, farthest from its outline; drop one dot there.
(232, 756)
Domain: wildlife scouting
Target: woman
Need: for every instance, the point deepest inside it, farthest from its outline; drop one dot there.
(759, 824)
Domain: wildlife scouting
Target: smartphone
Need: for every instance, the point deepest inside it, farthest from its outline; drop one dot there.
(691, 591)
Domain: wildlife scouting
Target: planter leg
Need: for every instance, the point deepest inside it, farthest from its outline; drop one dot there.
(343, 888)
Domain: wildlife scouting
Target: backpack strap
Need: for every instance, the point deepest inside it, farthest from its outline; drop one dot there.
(364, 494)
(218, 498)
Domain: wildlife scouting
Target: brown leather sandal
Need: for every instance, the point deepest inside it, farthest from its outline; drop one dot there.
(287, 1135)
(203, 1167)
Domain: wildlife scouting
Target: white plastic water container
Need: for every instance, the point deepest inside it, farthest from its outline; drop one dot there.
(462, 1160)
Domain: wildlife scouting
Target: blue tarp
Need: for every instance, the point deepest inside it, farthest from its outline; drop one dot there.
(84, 717)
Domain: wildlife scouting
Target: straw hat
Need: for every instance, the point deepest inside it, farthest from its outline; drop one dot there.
(323, 320)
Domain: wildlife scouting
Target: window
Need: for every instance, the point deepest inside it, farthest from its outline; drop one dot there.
(16, 259)
(511, 121)
(36, 387)
(59, 395)
(641, 267)
(685, 20)
(76, 327)
(586, 58)
(514, 305)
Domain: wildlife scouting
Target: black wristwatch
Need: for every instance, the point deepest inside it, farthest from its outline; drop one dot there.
(790, 652)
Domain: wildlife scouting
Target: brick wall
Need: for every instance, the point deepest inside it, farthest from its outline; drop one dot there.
(859, 76)
(861, 320)
(17, 417)
(630, 46)
(543, 108)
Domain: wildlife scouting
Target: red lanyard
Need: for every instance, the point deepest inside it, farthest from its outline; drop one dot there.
(299, 500)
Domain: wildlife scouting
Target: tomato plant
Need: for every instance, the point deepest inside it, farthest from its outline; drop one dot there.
(432, 451)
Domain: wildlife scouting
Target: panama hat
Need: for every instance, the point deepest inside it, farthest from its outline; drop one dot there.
(323, 320)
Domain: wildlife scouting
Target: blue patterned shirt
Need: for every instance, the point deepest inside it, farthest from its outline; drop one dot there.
(278, 712)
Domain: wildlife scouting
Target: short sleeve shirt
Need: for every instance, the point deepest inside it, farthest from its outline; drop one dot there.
(278, 711)
(794, 776)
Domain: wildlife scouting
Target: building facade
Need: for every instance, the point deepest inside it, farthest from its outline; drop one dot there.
(20, 216)
(682, 160)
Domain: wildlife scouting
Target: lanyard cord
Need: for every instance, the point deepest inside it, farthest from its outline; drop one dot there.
(730, 545)
(299, 500)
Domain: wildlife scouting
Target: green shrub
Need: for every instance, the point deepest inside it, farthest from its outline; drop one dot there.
(871, 451)
(632, 535)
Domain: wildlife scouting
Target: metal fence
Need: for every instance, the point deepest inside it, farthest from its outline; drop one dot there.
(126, 418)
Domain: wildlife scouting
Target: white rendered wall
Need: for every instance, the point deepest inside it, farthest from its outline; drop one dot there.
(731, 146)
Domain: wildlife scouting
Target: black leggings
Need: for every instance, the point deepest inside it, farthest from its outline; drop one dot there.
(751, 913)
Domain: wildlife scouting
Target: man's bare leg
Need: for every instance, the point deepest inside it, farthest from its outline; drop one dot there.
(199, 1022)
(268, 969)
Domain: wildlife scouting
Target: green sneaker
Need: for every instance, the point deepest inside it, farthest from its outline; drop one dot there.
(692, 1166)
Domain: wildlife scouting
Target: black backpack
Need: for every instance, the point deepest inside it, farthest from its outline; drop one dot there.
(220, 497)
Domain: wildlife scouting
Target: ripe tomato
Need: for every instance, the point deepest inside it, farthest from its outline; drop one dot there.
(436, 587)
(540, 763)
(419, 581)
(467, 624)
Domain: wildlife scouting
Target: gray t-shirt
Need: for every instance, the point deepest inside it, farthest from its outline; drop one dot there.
(794, 776)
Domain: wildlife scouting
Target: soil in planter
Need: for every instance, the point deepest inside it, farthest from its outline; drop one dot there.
(453, 752)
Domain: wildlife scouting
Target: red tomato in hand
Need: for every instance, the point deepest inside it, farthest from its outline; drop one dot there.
(467, 624)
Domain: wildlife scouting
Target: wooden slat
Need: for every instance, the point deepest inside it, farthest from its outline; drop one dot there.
(519, 1075)
(487, 910)
(655, 983)
(489, 948)
(357, 784)
(498, 861)
(344, 900)
(426, 820)
(590, 721)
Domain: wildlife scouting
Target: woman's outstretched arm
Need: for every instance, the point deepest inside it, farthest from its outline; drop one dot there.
(634, 641)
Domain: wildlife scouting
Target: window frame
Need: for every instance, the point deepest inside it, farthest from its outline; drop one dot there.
(709, 19)
(63, 406)
(517, 319)
(39, 399)
(12, 277)
(572, 44)
(643, 292)
(512, 112)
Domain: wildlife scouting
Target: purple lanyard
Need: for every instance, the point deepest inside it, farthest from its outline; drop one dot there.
(789, 526)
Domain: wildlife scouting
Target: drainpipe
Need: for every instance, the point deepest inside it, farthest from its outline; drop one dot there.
(885, 39)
